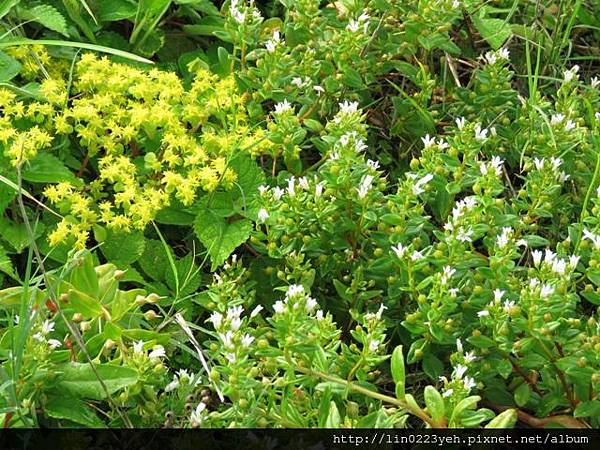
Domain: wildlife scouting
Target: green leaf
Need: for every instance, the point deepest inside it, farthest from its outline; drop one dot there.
(504, 368)
(80, 379)
(123, 248)
(74, 410)
(333, 418)
(112, 10)
(590, 408)
(432, 366)
(5, 263)
(220, 237)
(506, 419)
(6, 6)
(398, 371)
(494, 31)
(188, 275)
(522, 394)
(154, 261)
(47, 16)
(47, 168)
(83, 276)
(82, 303)
(9, 67)
(435, 404)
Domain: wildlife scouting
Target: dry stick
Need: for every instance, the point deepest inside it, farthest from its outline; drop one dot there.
(74, 331)
(184, 326)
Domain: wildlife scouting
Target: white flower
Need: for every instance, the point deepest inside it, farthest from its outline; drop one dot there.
(379, 312)
(319, 189)
(282, 107)
(294, 290)
(227, 339)
(255, 311)
(442, 144)
(353, 26)
(319, 315)
(297, 81)
(464, 235)
(470, 357)
(483, 313)
(348, 107)
(491, 57)
(172, 385)
(428, 141)
(573, 261)
(279, 307)
(196, 416)
(138, 347)
(235, 324)
(447, 274)
(570, 125)
(503, 53)
(263, 215)
(546, 291)
(595, 82)
(318, 89)
(247, 340)
(234, 311)
(447, 393)
(480, 133)
(459, 345)
(508, 304)
(416, 256)
(399, 250)
(460, 370)
(497, 164)
(559, 266)
(502, 240)
(557, 119)
(469, 383)
(571, 74)
(365, 185)
(47, 327)
(54, 343)
(460, 122)
(453, 292)
(158, 351)
(498, 294)
(310, 304)
(291, 190)
(263, 189)
(537, 257)
(216, 318)
(278, 193)
(373, 346)
(418, 186)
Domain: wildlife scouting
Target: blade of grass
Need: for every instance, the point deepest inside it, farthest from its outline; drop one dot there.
(83, 45)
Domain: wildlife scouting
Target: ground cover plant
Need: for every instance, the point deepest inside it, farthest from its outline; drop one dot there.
(362, 213)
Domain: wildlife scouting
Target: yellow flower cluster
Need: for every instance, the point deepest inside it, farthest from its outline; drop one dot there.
(145, 136)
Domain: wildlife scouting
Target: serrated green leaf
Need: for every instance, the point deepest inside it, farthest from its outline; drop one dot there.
(154, 261)
(220, 237)
(46, 15)
(494, 31)
(112, 10)
(123, 248)
(9, 67)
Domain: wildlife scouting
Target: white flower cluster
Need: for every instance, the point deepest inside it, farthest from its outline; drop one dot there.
(362, 23)
(282, 108)
(179, 378)
(239, 12)
(551, 165)
(41, 336)
(494, 166)
(500, 55)
(458, 374)
(559, 119)
(274, 42)
(158, 351)
(401, 251)
(571, 74)
(296, 297)
(229, 330)
(418, 186)
(553, 263)
(459, 231)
